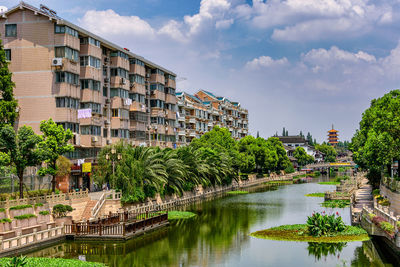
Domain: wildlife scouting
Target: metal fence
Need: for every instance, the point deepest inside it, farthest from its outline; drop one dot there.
(10, 183)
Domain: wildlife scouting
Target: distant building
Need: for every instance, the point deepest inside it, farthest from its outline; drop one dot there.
(290, 143)
(333, 137)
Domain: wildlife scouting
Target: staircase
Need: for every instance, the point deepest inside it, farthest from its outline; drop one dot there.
(87, 213)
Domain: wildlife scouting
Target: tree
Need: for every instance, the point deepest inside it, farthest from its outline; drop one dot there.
(283, 132)
(376, 144)
(21, 149)
(283, 159)
(301, 134)
(329, 152)
(258, 134)
(287, 133)
(302, 157)
(8, 104)
(54, 143)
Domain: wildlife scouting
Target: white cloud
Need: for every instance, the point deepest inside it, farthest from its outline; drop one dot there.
(334, 54)
(173, 29)
(110, 23)
(265, 62)
(223, 24)
(209, 10)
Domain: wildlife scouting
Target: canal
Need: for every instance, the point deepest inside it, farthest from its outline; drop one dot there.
(219, 236)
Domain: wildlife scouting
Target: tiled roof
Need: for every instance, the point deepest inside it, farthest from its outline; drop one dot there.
(294, 139)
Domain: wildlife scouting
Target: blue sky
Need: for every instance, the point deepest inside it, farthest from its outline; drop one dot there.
(299, 64)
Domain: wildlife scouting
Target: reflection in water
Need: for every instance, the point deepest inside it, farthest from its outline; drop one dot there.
(219, 235)
(320, 250)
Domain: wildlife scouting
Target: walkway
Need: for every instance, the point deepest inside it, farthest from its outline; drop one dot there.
(362, 197)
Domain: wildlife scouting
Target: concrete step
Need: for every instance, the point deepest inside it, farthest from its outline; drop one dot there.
(87, 213)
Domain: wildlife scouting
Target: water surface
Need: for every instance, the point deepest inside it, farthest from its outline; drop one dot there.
(219, 236)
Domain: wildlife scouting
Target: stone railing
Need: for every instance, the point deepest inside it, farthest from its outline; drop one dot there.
(51, 199)
(386, 213)
(391, 183)
(26, 240)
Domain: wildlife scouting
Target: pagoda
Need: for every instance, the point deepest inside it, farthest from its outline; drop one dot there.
(333, 136)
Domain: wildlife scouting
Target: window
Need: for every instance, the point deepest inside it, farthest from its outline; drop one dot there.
(138, 135)
(134, 78)
(155, 103)
(105, 91)
(91, 61)
(119, 54)
(67, 77)
(120, 113)
(65, 29)
(122, 133)
(136, 61)
(67, 102)
(90, 84)
(91, 130)
(105, 133)
(138, 116)
(95, 107)
(170, 77)
(169, 90)
(89, 40)
(137, 97)
(120, 72)
(119, 92)
(157, 86)
(158, 120)
(74, 127)
(11, 30)
(157, 71)
(8, 54)
(64, 51)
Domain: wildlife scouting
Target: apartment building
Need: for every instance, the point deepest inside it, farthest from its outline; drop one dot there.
(199, 113)
(102, 92)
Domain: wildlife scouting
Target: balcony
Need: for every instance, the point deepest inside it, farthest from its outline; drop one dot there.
(191, 133)
(70, 66)
(91, 73)
(67, 40)
(66, 89)
(66, 114)
(171, 115)
(89, 95)
(157, 112)
(182, 132)
(136, 106)
(210, 124)
(138, 88)
(94, 120)
(181, 118)
(181, 103)
(137, 126)
(170, 99)
(155, 94)
(157, 78)
(120, 62)
(170, 83)
(137, 69)
(90, 140)
(118, 123)
(192, 120)
(119, 82)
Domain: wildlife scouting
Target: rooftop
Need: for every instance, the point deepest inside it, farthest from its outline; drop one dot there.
(292, 139)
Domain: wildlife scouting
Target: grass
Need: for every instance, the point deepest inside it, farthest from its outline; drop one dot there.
(315, 195)
(49, 262)
(20, 207)
(237, 192)
(329, 183)
(178, 215)
(44, 212)
(298, 233)
(38, 205)
(336, 203)
(299, 176)
(25, 216)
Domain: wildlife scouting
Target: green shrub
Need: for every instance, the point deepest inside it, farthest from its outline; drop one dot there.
(44, 212)
(20, 207)
(384, 202)
(2, 210)
(25, 216)
(5, 220)
(61, 210)
(387, 227)
(17, 262)
(38, 205)
(336, 203)
(398, 224)
(376, 192)
(323, 224)
(50, 262)
(371, 216)
(289, 169)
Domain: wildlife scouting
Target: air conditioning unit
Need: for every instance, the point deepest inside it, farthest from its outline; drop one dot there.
(147, 75)
(132, 85)
(123, 81)
(108, 101)
(95, 139)
(108, 142)
(106, 80)
(57, 61)
(107, 59)
(166, 128)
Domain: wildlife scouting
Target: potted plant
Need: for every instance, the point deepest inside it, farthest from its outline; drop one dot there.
(5, 225)
(26, 220)
(60, 214)
(21, 210)
(44, 216)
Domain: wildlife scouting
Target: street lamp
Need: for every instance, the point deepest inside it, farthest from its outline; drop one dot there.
(113, 156)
